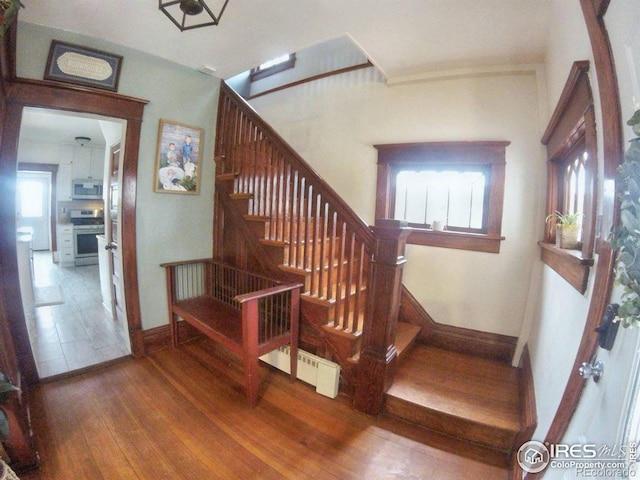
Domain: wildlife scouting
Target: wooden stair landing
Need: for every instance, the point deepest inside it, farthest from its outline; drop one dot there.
(468, 398)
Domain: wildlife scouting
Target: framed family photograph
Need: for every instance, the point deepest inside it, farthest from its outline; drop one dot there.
(178, 158)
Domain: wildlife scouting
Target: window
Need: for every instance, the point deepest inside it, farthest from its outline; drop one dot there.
(459, 185)
(570, 139)
(277, 65)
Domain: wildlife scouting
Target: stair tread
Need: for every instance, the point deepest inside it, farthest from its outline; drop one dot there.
(482, 391)
(405, 334)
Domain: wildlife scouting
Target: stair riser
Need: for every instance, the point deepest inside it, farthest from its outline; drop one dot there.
(464, 429)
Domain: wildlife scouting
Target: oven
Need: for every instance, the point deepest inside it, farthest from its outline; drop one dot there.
(86, 225)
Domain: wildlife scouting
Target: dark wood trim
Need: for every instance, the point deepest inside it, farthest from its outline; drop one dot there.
(528, 413)
(23, 93)
(574, 100)
(53, 169)
(8, 45)
(613, 152)
(476, 242)
(160, 337)
(569, 264)
(571, 131)
(313, 78)
(492, 346)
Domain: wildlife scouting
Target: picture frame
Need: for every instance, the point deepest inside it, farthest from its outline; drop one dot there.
(178, 158)
(84, 66)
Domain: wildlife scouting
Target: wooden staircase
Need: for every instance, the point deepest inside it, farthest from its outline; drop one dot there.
(274, 214)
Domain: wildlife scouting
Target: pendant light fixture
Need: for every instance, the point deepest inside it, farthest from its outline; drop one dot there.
(189, 14)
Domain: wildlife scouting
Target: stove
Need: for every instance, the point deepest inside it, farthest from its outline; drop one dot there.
(86, 225)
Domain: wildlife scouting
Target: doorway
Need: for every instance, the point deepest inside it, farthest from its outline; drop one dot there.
(32, 207)
(72, 325)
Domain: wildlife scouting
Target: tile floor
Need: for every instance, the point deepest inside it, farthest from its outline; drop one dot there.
(77, 333)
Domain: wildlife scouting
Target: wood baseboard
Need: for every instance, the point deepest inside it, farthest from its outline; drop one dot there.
(492, 346)
(160, 337)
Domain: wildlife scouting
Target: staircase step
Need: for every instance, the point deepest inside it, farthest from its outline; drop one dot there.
(406, 333)
(469, 398)
(225, 177)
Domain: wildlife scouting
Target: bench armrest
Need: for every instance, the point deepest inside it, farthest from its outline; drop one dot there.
(186, 262)
(246, 297)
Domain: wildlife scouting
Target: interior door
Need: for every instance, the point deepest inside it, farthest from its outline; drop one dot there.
(112, 233)
(32, 205)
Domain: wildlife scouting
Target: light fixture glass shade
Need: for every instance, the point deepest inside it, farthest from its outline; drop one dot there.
(83, 140)
(189, 14)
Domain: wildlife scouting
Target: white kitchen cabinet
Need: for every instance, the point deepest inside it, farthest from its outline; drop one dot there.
(65, 173)
(65, 244)
(88, 163)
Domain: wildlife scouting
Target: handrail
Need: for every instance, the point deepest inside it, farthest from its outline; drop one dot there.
(321, 235)
(247, 297)
(342, 207)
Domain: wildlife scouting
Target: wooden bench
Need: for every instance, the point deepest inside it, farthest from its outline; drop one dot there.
(249, 314)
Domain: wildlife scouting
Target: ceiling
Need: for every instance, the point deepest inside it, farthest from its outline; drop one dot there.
(56, 126)
(401, 37)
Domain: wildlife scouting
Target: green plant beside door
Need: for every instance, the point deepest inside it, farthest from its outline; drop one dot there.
(6, 389)
(8, 11)
(567, 229)
(625, 237)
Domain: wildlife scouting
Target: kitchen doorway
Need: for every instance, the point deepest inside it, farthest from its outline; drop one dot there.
(33, 214)
(71, 326)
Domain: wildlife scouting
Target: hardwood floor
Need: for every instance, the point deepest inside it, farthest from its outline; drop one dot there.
(182, 414)
(78, 332)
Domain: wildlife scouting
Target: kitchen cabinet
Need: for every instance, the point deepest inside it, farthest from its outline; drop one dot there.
(88, 163)
(65, 173)
(77, 162)
(65, 244)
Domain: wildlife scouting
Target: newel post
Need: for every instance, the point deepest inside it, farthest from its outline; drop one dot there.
(378, 356)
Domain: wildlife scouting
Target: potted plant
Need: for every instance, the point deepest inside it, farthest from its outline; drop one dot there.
(6, 389)
(567, 228)
(625, 237)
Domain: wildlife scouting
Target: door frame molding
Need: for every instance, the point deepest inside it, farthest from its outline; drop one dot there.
(22, 93)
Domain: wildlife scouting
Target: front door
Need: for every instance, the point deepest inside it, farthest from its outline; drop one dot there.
(32, 206)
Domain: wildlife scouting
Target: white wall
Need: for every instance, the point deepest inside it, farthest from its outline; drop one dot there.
(169, 227)
(315, 60)
(334, 123)
(602, 410)
(559, 311)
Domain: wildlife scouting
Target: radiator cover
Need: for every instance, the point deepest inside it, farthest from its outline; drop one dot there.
(317, 371)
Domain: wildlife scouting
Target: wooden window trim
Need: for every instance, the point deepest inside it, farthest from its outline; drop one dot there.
(492, 153)
(572, 124)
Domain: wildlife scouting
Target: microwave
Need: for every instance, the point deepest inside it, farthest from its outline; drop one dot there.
(86, 189)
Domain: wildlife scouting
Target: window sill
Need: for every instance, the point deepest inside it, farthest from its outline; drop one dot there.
(458, 240)
(569, 264)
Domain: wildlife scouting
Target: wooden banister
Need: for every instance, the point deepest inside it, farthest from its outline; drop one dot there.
(289, 221)
(252, 296)
(226, 132)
